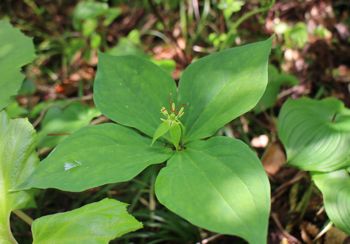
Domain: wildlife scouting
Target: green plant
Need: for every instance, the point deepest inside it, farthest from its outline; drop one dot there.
(276, 81)
(100, 222)
(232, 6)
(107, 219)
(295, 36)
(215, 182)
(131, 45)
(16, 50)
(60, 121)
(316, 135)
(89, 15)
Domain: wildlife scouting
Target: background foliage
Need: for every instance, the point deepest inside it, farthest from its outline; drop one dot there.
(311, 57)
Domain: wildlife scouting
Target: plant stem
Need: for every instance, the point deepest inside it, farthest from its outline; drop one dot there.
(23, 216)
(200, 26)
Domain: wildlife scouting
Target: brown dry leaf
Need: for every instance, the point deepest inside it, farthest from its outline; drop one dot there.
(335, 236)
(305, 236)
(273, 158)
(164, 52)
(308, 231)
(342, 74)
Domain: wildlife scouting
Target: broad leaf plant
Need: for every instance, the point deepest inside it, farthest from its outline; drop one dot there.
(95, 223)
(316, 135)
(215, 182)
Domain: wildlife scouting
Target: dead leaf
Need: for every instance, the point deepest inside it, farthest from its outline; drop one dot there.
(335, 236)
(273, 158)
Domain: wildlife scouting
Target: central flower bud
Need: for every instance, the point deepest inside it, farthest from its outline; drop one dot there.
(173, 116)
(171, 127)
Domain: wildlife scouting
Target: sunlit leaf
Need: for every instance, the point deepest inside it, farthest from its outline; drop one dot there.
(95, 223)
(17, 161)
(16, 50)
(97, 155)
(219, 185)
(316, 134)
(219, 87)
(162, 129)
(335, 187)
(132, 90)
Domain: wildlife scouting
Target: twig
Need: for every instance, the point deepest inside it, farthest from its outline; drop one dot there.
(280, 227)
(41, 117)
(280, 190)
(99, 120)
(23, 216)
(324, 231)
(209, 239)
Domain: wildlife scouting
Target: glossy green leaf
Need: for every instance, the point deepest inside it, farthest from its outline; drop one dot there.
(218, 88)
(219, 185)
(335, 187)
(172, 132)
(162, 129)
(17, 162)
(175, 134)
(59, 122)
(16, 50)
(97, 155)
(132, 90)
(94, 223)
(315, 134)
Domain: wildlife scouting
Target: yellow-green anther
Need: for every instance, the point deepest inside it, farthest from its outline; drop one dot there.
(164, 111)
(181, 112)
(171, 126)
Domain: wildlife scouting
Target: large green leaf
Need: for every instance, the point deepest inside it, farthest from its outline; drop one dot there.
(97, 155)
(59, 122)
(220, 87)
(316, 134)
(17, 162)
(95, 223)
(16, 50)
(335, 187)
(219, 185)
(132, 90)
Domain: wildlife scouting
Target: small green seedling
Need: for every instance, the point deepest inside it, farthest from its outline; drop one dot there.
(215, 182)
